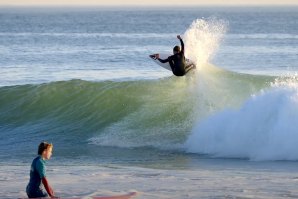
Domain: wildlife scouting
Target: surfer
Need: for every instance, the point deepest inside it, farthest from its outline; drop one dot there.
(38, 173)
(177, 60)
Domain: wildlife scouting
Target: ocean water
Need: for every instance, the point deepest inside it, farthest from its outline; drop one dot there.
(81, 79)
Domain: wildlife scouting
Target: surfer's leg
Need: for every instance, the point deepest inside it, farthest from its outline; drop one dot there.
(39, 193)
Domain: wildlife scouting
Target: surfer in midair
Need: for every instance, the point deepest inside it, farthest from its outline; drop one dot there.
(177, 60)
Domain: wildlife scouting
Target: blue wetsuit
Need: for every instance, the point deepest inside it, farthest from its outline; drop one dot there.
(38, 171)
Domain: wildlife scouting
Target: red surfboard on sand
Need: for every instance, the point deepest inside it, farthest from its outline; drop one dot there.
(125, 196)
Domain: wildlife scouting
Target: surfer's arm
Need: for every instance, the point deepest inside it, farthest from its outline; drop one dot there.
(163, 60)
(181, 42)
(48, 187)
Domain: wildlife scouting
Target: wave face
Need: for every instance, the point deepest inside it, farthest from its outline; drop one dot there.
(77, 110)
(211, 111)
(142, 113)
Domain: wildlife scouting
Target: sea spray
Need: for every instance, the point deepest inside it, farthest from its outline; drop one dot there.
(202, 39)
(264, 128)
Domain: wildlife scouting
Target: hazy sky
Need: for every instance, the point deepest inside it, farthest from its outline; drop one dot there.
(147, 2)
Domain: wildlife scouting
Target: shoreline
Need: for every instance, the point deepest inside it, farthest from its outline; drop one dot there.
(78, 181)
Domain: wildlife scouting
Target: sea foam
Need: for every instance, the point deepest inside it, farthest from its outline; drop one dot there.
(263, 128)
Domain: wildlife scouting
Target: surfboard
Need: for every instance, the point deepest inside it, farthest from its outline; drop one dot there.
(125, 196)
(167, 65)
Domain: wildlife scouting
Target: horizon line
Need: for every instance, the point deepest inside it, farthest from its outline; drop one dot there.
(147, 5)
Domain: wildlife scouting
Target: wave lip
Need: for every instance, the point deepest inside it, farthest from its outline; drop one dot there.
(264, 128)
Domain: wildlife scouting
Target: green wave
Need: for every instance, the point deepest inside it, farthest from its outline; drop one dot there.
(126, 114)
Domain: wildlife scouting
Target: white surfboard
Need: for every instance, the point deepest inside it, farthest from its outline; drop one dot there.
(167, 65)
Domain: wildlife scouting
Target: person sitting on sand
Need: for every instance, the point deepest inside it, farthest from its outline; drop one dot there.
(38, 173)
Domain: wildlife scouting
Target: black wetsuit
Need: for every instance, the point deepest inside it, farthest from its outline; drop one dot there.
(177, 62)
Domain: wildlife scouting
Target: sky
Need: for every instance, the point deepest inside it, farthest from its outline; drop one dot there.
(145, 2)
